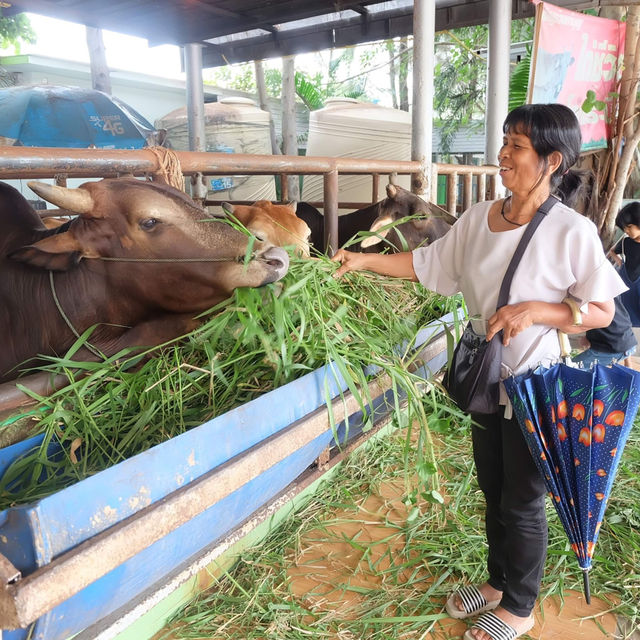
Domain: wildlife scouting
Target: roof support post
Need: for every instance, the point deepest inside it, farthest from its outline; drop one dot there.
(424, 26)
(289, 133)
(195, 111)
(498, 76)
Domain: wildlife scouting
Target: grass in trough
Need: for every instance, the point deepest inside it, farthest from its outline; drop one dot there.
(257, 340)
(357, 561)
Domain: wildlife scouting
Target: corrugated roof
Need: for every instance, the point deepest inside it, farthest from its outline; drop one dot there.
(243, 30)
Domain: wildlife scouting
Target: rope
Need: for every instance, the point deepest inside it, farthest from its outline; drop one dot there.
(172, 260)
(170, 170)
(66, 319)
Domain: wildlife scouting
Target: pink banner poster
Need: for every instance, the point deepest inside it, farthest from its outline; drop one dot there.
(575, 53)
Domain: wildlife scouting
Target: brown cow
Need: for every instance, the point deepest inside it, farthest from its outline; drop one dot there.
(140, 260)
(276, 223)
(406, 236)
(399, 203)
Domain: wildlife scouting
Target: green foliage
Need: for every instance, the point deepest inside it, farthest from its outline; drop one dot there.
(351, 87)
(14, 31)
(240, 77)
(309, 92)
(311, 89)
(519, 82)
(460, 80)
(461, 76)
(273, 82)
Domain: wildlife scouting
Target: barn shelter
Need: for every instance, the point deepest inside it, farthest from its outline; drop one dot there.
(218, 32)
(232, 31)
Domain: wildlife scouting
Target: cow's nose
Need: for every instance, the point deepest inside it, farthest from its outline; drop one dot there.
(278, 259)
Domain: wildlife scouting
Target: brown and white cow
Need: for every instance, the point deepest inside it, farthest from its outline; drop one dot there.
(275, 223)
(139, 261)
(431, 223)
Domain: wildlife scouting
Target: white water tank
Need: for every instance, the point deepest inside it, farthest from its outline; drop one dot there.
(348, 128)
(232, 125)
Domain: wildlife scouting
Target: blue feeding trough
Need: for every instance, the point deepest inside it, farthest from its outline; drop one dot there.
(195, 488)
(57, 116)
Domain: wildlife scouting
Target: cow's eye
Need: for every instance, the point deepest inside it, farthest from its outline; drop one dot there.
(149, 223)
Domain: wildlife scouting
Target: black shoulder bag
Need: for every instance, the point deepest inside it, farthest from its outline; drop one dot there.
(473, 378)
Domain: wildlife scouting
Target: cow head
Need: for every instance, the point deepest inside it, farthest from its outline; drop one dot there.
(432, 224)
(277, 224)
(152, 240)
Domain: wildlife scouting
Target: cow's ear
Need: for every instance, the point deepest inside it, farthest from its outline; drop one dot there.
(292, 205)
(60, 252)
(379, 222)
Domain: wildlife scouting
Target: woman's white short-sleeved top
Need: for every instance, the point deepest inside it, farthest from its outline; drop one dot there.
(564, 256)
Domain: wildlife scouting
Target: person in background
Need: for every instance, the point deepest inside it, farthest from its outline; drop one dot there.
(563, 282)
(608, 345)
(617, 342)
(629, 249)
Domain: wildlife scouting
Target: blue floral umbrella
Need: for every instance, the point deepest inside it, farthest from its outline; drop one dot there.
(576, 423)
(57, 116)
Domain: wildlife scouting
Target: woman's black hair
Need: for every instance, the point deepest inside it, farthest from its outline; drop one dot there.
(629, 214)
(550, 127)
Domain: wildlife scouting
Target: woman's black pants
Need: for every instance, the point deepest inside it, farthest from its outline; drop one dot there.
(516, 524)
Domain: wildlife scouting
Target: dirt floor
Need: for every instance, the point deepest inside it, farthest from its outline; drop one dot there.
(328, 571)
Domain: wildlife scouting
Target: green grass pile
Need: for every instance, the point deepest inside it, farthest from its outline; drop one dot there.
(256, 341)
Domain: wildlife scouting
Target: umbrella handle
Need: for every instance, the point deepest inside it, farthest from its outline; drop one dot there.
(565, 347)
(585, 585)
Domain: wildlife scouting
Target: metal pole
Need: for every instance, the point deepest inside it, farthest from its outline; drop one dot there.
(331, 211)
(33, 162)
(424, 25)
(195, 110)
(498, 76)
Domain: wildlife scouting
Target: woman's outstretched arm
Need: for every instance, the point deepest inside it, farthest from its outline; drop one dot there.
(396, 265)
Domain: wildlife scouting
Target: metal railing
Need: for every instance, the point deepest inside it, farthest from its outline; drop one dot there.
(465, 184)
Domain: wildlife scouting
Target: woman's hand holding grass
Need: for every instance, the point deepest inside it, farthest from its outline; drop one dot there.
(395, 265)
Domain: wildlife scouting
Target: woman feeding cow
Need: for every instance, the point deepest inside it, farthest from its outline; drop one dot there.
(562, 282)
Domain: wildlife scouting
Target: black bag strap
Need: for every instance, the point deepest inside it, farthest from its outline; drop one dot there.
(505, 287)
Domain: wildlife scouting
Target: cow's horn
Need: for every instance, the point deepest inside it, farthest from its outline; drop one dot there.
(76, 200)
(392, 192)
